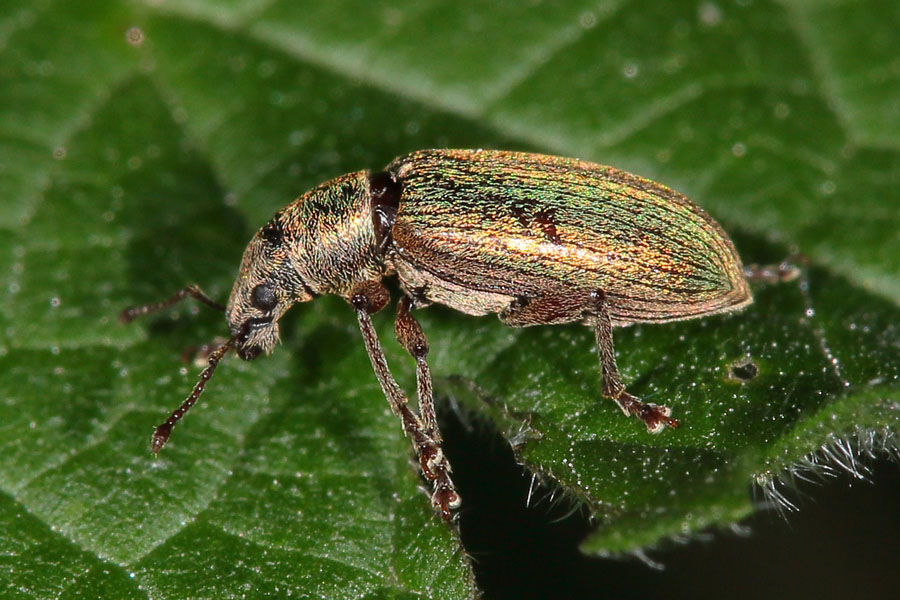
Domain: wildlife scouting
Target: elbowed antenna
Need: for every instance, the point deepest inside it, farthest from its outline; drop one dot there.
(130, 314)
(162, 433)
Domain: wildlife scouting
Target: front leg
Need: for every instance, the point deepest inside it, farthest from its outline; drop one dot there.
(368, 298)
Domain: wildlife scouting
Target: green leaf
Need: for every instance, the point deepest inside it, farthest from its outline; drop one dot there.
(141, 143)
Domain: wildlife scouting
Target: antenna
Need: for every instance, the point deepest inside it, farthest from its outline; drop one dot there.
(130, 314)
(162, 433)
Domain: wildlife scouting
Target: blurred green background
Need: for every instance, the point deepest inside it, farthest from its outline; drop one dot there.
(142, 143)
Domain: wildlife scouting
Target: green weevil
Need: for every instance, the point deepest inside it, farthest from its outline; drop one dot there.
(536, 239)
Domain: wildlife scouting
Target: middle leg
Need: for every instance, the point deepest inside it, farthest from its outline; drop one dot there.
(412, 338)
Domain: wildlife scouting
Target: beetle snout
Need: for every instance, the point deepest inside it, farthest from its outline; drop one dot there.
(255, 335)
(249, 353)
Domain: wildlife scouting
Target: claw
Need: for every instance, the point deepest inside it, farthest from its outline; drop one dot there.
(447, 500)
(655, 417)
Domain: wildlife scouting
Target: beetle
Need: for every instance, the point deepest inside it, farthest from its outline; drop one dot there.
(533, 238)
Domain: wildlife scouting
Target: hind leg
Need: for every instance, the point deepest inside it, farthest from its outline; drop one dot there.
(654, 417)
(578, 305)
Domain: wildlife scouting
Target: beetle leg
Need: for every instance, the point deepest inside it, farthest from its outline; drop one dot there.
(367, 299)
(654, 417)
(567, 306)
(787, 270)
(412, 338)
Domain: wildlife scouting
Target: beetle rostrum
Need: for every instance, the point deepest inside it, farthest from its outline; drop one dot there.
(535, 239)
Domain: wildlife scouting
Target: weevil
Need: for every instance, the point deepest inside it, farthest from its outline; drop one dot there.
(535, 239)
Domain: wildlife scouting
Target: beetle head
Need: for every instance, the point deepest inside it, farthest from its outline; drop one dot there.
(322, 243)
(267, 286)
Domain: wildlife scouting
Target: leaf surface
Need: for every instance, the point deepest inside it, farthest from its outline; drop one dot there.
(141, 144)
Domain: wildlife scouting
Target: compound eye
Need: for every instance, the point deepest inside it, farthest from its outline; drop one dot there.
(263, 297)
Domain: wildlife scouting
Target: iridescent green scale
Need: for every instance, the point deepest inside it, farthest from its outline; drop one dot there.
(514, 223)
